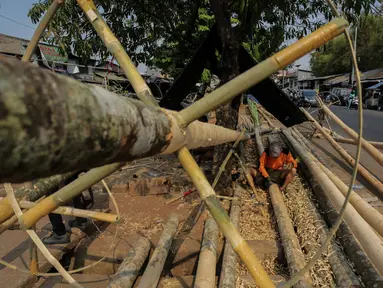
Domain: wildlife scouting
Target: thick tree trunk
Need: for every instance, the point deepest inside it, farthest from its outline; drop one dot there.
(227, 114)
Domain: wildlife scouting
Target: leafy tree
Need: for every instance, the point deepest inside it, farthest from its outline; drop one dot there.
(335, 58)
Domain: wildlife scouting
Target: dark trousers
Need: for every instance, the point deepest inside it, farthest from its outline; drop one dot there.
(58, 226)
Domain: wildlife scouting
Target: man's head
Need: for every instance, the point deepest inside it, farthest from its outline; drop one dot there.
(275, 149)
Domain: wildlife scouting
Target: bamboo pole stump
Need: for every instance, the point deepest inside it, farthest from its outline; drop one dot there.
(130, 267)
(205, 276)
(229, 262)
(153, 271)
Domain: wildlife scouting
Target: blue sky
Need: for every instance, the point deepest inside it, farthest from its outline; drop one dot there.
(18, 12)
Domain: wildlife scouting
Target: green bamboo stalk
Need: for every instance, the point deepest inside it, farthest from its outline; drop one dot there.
(228, 229)
(254, 112)
(115, 47)
(263, 70)
(56, 4)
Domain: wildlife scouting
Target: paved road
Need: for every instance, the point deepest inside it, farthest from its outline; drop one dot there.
(372, 127)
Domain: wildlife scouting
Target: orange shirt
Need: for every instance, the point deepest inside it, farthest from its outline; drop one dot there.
(275, 163)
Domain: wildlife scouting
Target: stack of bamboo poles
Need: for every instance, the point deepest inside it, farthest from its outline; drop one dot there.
(343, 273)
(165, 130)
(364, 233)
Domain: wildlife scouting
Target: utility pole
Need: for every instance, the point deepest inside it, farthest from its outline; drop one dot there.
(353, 70)
(355, 38)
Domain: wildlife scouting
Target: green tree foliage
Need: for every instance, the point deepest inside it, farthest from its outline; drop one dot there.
(166, 33)
(335, 57)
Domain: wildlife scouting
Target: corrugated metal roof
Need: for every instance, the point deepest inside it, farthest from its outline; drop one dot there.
(372, 74)
(337, 80)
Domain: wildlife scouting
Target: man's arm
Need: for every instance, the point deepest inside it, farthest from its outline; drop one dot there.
(290, 159)
(262, 169)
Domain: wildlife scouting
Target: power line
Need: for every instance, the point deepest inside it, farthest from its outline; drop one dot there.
(9, 19)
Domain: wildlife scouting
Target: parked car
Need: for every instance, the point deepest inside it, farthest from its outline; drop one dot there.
(309, 98)
(342, 94)
(375, 101)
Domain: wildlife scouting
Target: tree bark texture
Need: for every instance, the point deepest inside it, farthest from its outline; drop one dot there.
(205, 276)
(153, 271)
(229, 262)
(40, 188)
(131, 266)
(51, 124)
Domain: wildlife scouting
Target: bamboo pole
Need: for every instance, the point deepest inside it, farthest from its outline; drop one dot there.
(370, 242)
(41, 187)
(104, 127)
(372, 216)
(128, 271)
(115, 47)
(227, 278)
(33, 258)
(378, 145)
(261, 71)
(70, 211)
(350, 245)
(56, 4)
(349, 159)
(35, 238)
(298, 135)
(370, 149)
(239, 244)
(153, 271)
(207, 262)
(266, 117)
(293, 252)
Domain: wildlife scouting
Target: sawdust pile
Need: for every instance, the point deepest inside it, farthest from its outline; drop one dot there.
(297, 200)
